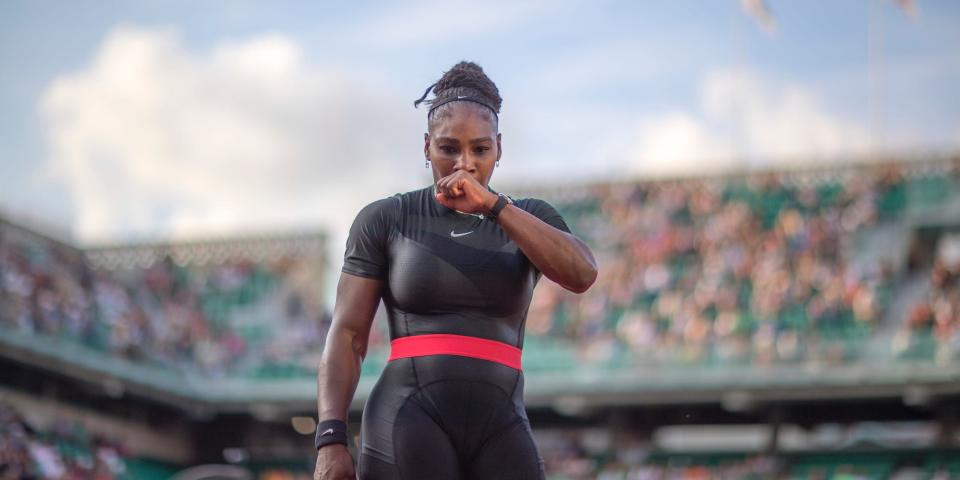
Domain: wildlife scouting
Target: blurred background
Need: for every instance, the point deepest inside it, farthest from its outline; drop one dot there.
(772, 190)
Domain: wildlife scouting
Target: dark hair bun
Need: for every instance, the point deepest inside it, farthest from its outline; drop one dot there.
(465, 79)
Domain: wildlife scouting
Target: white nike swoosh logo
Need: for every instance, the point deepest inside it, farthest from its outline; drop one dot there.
(455, 234)
(329, 430)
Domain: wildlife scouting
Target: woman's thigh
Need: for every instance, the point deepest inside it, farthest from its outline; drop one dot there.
(510, 454)
(420, 448)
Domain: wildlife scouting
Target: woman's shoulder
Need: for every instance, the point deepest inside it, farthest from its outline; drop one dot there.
(388, 208)
(543, 210)
(381, 210)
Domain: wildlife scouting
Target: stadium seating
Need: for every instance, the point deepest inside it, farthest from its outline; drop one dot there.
(574, 461)
(65, 452)
(931, 332)
(218, 318)
(755, 269)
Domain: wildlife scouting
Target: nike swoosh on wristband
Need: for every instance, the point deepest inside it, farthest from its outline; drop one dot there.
(329, 430)
(455, 234)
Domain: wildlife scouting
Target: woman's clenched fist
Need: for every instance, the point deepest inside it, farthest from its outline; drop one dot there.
(461, 191)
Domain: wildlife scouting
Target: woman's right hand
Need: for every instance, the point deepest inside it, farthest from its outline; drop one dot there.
(334, 463)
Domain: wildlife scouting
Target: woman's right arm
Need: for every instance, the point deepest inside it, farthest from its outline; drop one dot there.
(339, 372)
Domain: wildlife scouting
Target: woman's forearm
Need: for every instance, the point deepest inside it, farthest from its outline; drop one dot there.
(338, 374)
(346, 345)
(561, 256)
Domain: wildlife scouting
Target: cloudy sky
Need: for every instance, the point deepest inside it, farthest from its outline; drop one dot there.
(142, 120)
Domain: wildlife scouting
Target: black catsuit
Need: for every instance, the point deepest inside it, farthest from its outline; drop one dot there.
(446, 416)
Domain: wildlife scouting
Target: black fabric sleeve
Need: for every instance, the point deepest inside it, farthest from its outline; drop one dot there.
(544, 211)
(366, 253)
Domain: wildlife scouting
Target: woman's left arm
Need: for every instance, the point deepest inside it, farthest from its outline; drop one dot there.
(561, 256)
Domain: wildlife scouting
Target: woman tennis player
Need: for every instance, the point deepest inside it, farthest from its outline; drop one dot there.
(455, 264)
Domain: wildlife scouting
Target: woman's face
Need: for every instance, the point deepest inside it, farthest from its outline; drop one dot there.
(463, 137)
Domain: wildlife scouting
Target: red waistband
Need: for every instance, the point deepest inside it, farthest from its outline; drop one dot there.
(447, 344)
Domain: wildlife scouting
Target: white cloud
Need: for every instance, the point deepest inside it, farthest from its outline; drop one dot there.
(739, 120)
(742, 120)
(153, 140)
(678, 143)
(780, 122)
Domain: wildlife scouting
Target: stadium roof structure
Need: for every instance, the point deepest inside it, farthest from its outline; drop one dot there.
(263, 247)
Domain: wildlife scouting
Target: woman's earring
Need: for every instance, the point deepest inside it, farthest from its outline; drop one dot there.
(498, 163)
(426, 163)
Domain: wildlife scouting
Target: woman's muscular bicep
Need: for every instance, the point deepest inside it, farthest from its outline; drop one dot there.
(356, 304)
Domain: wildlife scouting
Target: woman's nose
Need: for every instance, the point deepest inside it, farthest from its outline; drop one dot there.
(464, 162)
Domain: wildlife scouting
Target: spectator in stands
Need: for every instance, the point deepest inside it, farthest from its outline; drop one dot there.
(932, 328)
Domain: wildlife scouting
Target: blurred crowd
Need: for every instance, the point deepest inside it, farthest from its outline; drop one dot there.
(752, 269)
(66, 451)
(217, 318)
(931, 331)
(735, 270)
(757, 269)
(755, 467)
(588, 454)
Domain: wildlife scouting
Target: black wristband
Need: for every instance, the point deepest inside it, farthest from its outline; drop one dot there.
(502, 202)
(330, 431)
